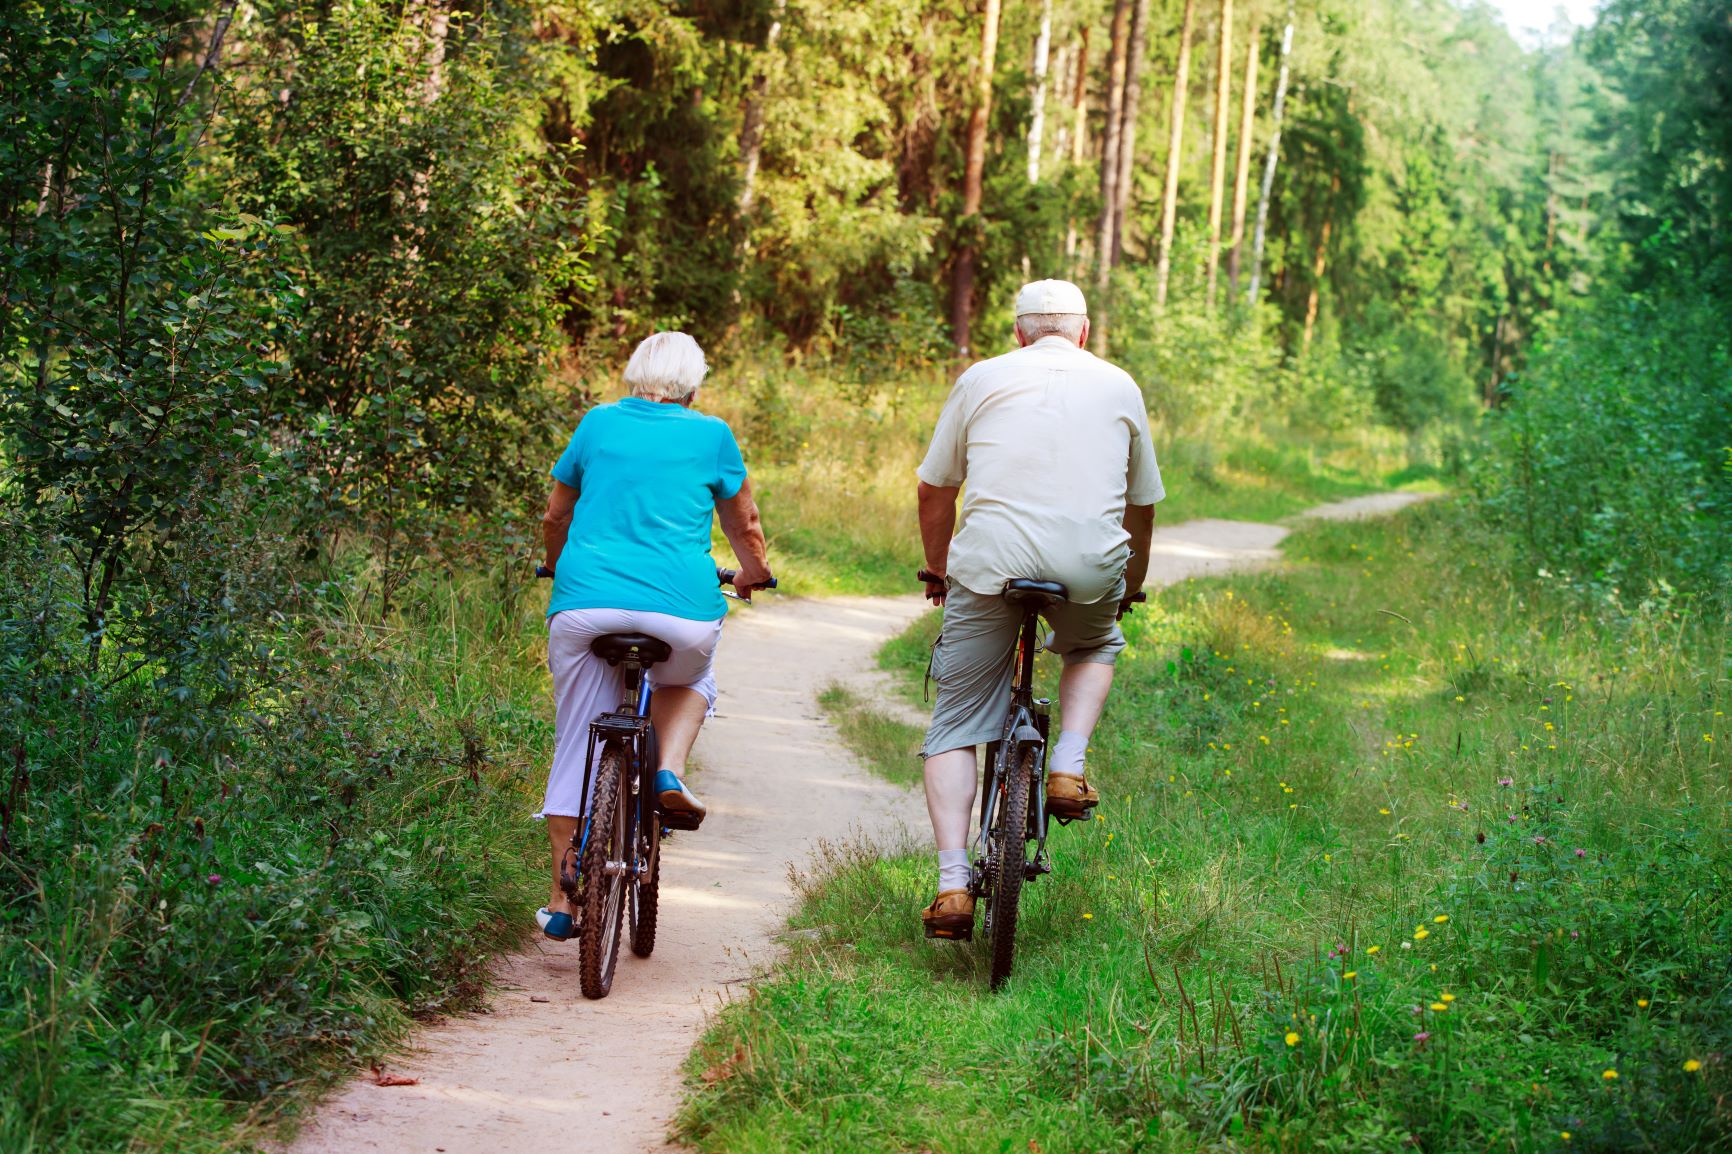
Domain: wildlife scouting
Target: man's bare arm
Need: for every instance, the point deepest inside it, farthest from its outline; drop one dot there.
(556, 522)
(1140, 524)
(739, 517)
(937, 525)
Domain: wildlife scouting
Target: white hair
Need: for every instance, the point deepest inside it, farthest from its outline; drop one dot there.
(1034, 326)
(666, 366)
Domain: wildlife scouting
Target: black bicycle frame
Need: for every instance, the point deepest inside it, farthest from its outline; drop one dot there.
(629, 723)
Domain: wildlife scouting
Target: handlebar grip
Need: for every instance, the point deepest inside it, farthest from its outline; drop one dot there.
(1139, 596)
(542, 571)
(726, 577)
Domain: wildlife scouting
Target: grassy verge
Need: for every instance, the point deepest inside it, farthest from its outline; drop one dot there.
(890, 747)
(186, 947)
(1398, 852)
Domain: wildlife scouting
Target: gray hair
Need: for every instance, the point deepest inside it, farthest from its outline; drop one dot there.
(1034, 326)
(666, 366)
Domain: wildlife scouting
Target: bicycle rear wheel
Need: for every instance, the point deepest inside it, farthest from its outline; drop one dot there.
(604, 880)
(1007, 841)
(645, 890)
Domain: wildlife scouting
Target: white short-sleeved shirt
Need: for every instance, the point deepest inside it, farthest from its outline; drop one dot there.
(1052, 443)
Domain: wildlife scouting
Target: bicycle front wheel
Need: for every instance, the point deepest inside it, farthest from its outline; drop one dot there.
(1008, 841)
(605, 861)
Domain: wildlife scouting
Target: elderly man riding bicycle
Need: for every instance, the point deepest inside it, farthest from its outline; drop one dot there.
(1054, 446)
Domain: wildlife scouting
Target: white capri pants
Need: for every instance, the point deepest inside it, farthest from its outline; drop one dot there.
(585, 686)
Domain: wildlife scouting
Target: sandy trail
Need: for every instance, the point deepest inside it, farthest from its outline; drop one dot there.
(604, 1077)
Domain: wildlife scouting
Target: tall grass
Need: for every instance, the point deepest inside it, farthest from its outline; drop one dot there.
(1398, 851)
(187, 945)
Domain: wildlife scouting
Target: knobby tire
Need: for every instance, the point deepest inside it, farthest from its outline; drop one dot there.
(645, 890)
(1009, 856)
(603, 896)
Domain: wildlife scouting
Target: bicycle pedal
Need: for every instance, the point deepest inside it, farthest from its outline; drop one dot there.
(950, 935)
(673, 821)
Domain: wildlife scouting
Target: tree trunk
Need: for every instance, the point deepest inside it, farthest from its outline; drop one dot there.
(1139, 42)
(1242, 170)
(1317, 265)
(1037, 113)
(1062, 78)
(1079, 101)
(1269, 166)
(1493, 381)
(1116, 57)
(752, 126)
(1079, 135)
(1175, 148)
(962, 284)
(1218, 168)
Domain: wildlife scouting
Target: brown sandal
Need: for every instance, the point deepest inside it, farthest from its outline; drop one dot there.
(1069, 797)
(951, 915)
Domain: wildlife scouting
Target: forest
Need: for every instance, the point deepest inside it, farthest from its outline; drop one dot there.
(299, 299)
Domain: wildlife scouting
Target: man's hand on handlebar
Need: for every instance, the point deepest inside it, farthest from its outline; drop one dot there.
(1134, 599)
(936, 585)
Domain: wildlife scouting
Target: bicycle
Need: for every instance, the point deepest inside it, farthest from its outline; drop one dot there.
(613, 865)
(1013, 793)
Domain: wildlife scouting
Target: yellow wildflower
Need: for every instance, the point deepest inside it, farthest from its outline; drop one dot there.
(1610, 1076)
(1691, 1066)
(1292, 1038)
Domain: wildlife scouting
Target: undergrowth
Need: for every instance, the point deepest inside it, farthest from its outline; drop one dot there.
(185, 941)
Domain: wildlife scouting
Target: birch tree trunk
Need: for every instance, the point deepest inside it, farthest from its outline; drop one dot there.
(962, 283)
(1138, 51)
(1037, 113)
(752, 126)
(1175, 149)
(1269, 166)
(1218, 168)
(1242, 170)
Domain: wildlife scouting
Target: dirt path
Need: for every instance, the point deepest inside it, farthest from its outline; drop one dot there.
(545, 1066)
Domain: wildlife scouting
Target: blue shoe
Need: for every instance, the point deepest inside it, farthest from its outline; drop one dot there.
(556, 926)
(679, 806)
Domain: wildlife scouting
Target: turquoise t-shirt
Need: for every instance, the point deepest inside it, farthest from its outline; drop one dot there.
(648, 477)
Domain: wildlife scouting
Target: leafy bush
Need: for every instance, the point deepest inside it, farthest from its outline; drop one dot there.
(1610, 464)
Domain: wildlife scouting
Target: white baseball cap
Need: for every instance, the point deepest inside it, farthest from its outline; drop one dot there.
(1051, 296)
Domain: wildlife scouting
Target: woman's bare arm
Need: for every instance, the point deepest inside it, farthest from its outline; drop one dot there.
(739, 517)
(556, 522)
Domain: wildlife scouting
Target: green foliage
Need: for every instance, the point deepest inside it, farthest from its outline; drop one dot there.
(1609, 464)
(1392, 855)
(434, 243)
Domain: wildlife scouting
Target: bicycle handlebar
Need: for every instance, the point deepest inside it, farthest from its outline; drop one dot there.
(723, 577)
(726, 577)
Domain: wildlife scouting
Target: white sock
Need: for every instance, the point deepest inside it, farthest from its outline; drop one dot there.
(1067, 754)
(953, 871)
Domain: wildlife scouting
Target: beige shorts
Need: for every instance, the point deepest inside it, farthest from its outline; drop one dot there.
(975, 658)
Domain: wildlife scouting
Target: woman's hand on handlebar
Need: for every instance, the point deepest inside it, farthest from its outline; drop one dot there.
(749, 577)
(936, 585)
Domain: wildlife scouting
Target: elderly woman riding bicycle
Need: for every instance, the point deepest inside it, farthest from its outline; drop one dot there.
(627, 533)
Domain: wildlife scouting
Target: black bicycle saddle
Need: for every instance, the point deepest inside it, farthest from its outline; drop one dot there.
(1023, 591)
(614, 648)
